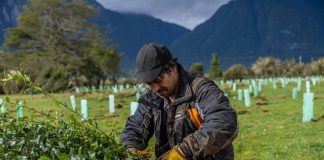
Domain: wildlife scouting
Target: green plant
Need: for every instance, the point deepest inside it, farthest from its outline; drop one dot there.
(60, 137)
(215, 70)
(236, 71)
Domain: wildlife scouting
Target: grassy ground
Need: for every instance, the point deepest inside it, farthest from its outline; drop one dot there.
(271, 128)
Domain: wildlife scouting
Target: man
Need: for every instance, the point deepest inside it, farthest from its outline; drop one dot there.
(190, 116)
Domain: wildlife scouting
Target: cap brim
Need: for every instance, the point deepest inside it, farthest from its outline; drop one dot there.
(148, 76)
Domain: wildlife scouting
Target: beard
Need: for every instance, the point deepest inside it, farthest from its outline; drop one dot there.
(164, 92)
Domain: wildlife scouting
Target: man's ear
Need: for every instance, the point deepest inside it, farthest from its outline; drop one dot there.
(175, 69)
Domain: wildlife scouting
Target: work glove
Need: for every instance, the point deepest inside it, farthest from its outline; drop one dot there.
(173, 154)
(137, 152)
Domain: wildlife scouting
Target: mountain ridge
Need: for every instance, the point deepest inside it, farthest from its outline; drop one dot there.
(240, 31)
(243, 30)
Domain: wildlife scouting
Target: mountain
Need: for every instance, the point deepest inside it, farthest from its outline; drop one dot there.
(131, 31)
(243, 30)
(9, 11)
(128, 31)
(240, 31)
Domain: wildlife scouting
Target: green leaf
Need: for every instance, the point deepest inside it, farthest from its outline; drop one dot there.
(63, 156)
(21, 157)
(80, 152)
(44, 158)
(7, 99)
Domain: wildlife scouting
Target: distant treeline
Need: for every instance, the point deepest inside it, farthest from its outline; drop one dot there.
(265, 67)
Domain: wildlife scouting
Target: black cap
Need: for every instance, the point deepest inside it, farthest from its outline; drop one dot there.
(150, 60)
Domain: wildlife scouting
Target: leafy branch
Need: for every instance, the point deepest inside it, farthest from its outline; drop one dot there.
(23, 79)
(29, 139)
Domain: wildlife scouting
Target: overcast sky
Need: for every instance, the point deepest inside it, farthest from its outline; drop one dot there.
(187, 13)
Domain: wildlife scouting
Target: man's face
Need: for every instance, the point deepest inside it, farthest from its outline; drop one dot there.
(165, 84)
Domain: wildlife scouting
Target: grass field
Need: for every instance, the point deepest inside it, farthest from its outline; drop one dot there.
(271, 128)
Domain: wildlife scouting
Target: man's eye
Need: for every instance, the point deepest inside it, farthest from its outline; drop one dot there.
(156, 81)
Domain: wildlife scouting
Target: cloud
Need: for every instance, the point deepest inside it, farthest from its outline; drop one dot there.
(187, 13)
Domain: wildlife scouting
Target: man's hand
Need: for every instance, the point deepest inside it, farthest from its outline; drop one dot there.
(173, 154)
(137, 152)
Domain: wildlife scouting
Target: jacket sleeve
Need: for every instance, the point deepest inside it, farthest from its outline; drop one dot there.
(139, 128)
(220, 123)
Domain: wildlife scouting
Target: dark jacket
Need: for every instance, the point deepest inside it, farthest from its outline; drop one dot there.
(173, 125)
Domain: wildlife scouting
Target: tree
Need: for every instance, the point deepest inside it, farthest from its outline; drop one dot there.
(318, 66)
(197, 68)
(290, 67)
(60, 33)
(236, 71)
(107, 60)
(56, 26)
(266, 67)
(307, 70)
(214, 69)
